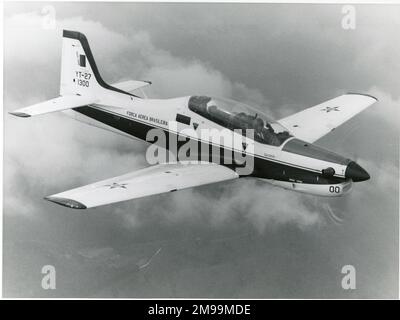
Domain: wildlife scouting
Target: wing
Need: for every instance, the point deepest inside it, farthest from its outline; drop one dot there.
(152, 180)
(315, 122)
(53, 105)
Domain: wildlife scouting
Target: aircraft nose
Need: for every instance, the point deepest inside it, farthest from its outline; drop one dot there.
(355, 172)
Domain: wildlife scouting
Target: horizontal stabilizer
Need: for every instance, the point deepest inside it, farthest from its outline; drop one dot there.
(53, 105)
(131, 85)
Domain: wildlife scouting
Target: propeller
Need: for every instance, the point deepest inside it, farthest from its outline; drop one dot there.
(335, 212)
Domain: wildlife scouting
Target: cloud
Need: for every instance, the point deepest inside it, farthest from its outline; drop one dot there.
(233, 203)
(387, 107)
(299, 53)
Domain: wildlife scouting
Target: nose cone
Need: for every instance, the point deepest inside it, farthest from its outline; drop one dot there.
(356, 173)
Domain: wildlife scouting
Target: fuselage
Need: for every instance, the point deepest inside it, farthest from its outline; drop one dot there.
(293, 164)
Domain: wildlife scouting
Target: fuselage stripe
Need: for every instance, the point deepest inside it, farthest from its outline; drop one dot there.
(206, 142)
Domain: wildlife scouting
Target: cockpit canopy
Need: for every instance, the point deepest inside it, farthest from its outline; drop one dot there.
(235, 115)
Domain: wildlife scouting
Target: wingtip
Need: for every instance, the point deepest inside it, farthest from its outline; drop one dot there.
(364, 94)
(69, 203)
(20, 114)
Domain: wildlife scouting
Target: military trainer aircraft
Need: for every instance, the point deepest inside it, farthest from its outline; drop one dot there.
(282, 152)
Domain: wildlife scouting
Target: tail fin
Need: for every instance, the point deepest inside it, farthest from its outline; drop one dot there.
(79, 73)
(81, 83)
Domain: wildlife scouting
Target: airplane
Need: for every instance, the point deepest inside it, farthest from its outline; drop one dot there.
(282, 152)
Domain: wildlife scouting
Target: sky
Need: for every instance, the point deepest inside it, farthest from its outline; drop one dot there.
(238, 239)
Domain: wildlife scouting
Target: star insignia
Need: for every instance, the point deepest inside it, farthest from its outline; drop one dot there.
(329, 109)
(116, 185)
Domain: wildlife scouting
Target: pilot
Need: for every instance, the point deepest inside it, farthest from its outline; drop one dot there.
(211, 106)
(258, 125)
(267, 135)
(240, 121)
(270, 128)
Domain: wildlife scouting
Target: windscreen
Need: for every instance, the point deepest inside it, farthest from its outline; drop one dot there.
(238, 116)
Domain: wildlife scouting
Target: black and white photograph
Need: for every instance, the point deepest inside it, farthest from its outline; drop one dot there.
(199, 150)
